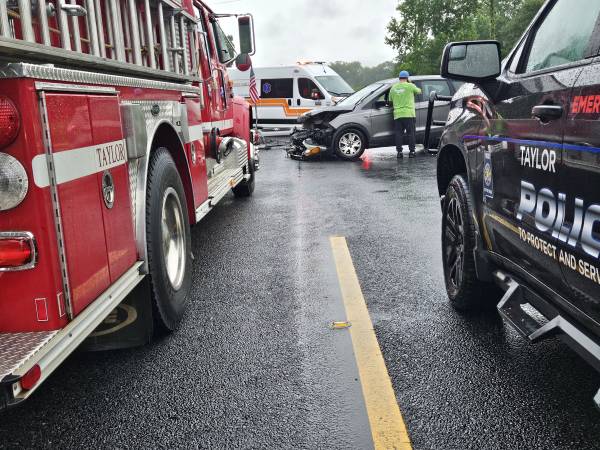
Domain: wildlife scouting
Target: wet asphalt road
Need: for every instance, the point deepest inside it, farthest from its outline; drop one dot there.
(255, 365)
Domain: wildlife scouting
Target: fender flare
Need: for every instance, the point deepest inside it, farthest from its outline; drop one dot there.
(484, 267)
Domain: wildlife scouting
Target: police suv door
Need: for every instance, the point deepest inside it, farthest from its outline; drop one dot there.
(580, 185)
(523, 140)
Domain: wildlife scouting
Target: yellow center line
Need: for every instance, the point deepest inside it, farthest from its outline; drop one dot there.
(387, 426)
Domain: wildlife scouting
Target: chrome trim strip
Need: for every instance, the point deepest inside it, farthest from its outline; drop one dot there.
(62, 254)
(43, 86)
(32, 245)
(49, 72)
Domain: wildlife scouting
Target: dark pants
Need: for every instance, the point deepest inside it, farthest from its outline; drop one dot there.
(405, 126)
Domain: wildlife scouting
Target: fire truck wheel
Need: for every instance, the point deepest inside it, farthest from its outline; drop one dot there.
(245, 188)
(349, 144)
(168, 240)
(465, 290)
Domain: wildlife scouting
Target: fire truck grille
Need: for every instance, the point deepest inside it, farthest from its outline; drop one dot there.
(17, 348)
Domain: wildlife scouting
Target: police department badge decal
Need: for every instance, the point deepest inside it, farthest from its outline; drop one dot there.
(488, 179)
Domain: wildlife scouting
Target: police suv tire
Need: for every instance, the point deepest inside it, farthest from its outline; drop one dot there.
(166, 209)
(338, 143)
(246, 187)
(464, 289)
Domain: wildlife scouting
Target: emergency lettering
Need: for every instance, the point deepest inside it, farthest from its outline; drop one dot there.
(585, 104)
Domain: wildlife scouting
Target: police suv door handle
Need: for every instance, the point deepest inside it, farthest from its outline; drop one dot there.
(547, 113)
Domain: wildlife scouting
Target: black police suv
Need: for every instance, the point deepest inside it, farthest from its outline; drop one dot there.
(519, 177)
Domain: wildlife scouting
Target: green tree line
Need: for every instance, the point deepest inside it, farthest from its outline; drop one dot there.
(423, 27)
(359, 76)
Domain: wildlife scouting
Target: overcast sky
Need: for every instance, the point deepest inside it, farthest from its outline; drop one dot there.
(317, 30)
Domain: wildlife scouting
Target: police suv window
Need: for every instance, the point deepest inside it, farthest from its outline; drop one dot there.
(564, 34)
(306, 87)
(277, 88)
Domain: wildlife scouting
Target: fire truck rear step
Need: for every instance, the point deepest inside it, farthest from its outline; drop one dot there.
(218, 186)
(16, 348)
(19, 352)
(221, 184)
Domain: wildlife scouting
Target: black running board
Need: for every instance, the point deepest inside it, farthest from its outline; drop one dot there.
(536, 319)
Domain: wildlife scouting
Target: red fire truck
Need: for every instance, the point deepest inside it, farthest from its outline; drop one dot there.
(118, 130)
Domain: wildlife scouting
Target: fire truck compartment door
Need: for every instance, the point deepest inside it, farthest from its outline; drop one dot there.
(89, 155)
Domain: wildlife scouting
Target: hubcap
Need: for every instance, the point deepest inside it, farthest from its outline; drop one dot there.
(350, 144)
(173, 237)
(455, 243)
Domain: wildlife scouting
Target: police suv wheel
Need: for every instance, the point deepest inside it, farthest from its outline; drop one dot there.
(349, 144)
(168, 241)
(464, 290)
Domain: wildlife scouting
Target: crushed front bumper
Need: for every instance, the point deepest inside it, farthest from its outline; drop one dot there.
(307, 144)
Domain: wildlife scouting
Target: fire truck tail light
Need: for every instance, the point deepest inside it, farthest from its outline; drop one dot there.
(30, 379)
(17, 251)
(13, 182)
(10, 121)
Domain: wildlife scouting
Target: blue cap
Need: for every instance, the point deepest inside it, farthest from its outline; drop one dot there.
(404, 74)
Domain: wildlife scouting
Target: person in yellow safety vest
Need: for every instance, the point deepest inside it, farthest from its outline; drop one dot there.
(402, 96)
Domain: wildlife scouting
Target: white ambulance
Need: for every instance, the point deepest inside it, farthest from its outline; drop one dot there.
(286, 92)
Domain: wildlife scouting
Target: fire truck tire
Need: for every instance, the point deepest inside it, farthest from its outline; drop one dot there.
(464, 289)
(245, 188)
(168, 241)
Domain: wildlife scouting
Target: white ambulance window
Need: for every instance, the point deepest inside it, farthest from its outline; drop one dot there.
(308, 89)
(564, 34)
(277, 88)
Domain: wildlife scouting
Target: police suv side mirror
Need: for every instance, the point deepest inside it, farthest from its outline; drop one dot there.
(246, 32)
(471, 61)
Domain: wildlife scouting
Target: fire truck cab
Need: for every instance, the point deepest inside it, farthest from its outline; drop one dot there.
(118, 131)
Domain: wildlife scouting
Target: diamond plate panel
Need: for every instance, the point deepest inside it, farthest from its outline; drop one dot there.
(133, 181)
(17, 348)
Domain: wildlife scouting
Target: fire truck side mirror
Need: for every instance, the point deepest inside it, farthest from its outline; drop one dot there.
(246, 32)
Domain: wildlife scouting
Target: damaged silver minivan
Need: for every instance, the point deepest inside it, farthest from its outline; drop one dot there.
(365, 120)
